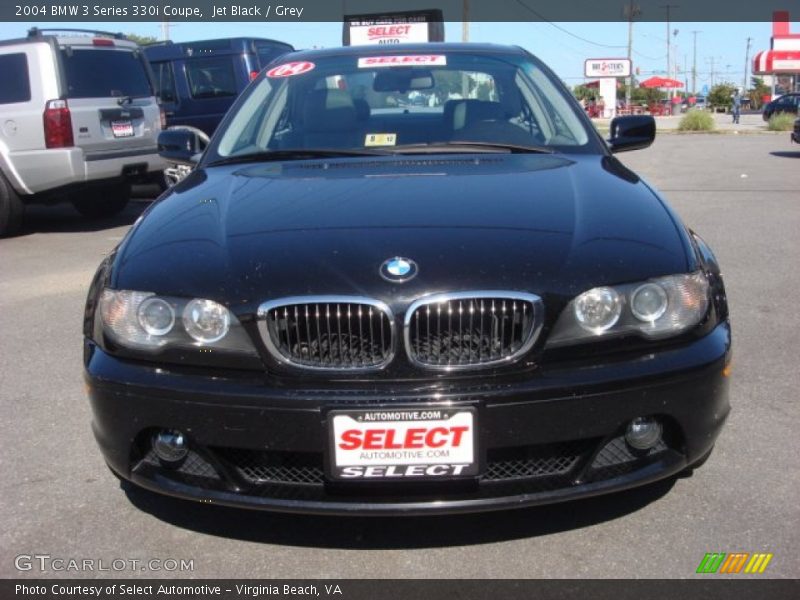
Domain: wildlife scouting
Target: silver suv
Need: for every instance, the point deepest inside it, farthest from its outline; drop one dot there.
(78, 122)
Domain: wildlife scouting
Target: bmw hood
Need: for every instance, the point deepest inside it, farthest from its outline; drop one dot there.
(546, 224)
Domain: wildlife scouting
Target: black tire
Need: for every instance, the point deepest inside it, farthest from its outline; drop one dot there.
(105, 202)
(11, 209)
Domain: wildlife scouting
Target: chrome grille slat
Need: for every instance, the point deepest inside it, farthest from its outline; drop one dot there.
(508, 324)
(333, 341)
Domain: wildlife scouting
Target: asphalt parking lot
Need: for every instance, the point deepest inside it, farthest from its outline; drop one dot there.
(740, 192)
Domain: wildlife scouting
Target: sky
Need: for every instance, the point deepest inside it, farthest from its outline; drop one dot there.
(562, 46)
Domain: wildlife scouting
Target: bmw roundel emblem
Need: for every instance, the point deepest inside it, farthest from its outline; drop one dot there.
(399, 269)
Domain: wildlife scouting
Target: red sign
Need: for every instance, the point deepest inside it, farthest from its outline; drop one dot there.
(374, 33)
(291, 69)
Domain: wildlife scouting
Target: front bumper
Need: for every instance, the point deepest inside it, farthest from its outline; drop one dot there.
(555, 436)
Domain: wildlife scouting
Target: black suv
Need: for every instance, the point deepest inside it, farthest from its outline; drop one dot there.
(198, 81)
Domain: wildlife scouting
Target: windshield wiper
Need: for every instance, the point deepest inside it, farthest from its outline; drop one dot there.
(467, 146)
(295, 154)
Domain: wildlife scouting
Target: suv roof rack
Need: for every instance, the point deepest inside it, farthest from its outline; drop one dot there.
(38, 32)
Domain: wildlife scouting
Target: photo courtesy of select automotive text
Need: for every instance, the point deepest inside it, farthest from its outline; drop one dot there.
(399, 298)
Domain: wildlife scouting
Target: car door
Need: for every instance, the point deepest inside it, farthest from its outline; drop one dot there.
(110, 97)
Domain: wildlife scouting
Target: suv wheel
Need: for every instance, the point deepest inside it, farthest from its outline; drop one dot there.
(104, 202)
(11, 209)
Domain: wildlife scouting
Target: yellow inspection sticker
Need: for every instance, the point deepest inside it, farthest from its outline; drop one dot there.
(380, 139)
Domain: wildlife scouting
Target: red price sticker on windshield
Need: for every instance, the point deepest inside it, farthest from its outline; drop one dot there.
(291, 69)
(397, 61)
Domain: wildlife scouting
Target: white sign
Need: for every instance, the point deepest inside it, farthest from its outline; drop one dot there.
(397, 33)
(405, 443)
(398, 61)
(607, 67)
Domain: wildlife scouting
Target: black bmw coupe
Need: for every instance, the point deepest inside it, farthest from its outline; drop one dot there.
(404, 280)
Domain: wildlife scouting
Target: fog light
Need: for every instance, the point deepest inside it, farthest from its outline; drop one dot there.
(643, 433)
(170, 445)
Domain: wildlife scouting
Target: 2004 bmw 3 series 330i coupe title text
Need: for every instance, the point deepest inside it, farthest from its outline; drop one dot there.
(407, 280)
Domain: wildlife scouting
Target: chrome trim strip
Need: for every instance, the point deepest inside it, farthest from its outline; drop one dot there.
(263, 328)
(538, 320)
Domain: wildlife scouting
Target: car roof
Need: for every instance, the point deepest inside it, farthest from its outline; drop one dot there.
(212, 47)
(423, 48)
(78, 37)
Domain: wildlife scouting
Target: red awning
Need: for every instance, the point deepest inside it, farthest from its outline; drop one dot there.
(776, 61)
(661, 82)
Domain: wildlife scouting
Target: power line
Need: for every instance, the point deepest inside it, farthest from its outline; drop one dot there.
(577, 37)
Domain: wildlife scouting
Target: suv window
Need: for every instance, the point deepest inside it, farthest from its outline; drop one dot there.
(266, 54)
(14, 75)
(165, 81)
(211, 77)
(104, 73)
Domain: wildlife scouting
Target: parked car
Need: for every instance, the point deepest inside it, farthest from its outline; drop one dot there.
(701, 102)
(80, 122)
(198, 81)
(796, 131)
(788, 103)
(349, 307)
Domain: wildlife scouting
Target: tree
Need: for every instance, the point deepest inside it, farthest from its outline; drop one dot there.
(721, 95)
(142, 40)
(757, 92)
(581, 92)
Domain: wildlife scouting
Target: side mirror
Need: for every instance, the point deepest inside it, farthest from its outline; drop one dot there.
(179, 146)
(632, 133)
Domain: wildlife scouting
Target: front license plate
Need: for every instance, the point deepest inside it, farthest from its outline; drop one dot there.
(397, 445)
(122, 128)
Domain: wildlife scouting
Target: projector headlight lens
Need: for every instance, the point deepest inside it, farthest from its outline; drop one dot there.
(649, 302)
(597, 310)
(156, 316)
(206, 321)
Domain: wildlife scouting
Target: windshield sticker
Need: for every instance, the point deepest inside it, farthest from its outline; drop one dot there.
(380, 139)
(394, 61)
(291, 69)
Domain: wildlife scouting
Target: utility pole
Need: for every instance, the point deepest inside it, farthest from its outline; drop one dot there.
(631, 11)
(711, 60)
(465, 23)
(746, 64)
(694, 63)
(164, 31)
(668, 7)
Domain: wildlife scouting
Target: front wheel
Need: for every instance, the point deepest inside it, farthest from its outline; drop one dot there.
(11, 209)
(105, 202)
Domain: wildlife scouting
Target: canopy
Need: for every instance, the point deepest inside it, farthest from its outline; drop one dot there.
(661, 82)
(776, 61)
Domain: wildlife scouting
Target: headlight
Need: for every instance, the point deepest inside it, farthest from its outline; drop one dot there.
(658, 308)
(145, 321)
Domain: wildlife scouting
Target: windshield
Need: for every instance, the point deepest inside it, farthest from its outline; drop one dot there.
(393, 102)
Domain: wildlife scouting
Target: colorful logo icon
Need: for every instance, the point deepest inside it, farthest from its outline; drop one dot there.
(734, 562)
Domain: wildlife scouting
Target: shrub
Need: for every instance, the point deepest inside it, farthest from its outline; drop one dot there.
(696, 120)
(781, 122)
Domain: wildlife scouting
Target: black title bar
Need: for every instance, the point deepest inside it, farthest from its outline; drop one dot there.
(177, 11)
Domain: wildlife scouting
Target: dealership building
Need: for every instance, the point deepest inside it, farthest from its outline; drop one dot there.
(780, 65)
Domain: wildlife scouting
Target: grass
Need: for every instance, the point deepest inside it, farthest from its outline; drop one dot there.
(697, 120)
(781, 122)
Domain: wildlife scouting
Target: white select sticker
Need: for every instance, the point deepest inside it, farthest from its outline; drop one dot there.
(436, 60)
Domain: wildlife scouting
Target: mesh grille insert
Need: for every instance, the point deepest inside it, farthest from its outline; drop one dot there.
(544, 460)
